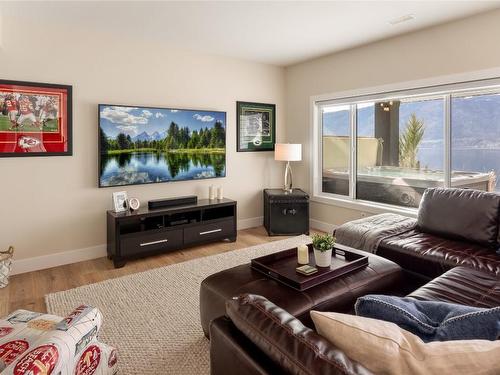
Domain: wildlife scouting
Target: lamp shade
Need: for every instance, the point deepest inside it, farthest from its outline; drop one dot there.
(288, 151)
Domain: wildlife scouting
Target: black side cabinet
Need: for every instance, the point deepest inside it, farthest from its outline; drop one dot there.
(146, 232)
(286, 213)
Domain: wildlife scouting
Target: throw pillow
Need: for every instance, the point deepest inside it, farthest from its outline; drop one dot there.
(384, 348)
(433, 320)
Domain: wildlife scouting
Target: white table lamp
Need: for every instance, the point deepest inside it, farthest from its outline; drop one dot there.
(288, 152)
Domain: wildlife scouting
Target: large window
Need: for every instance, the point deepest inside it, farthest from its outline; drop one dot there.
(388, 148)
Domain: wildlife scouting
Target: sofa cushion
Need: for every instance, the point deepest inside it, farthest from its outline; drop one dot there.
(298, 349)
(432, 320)
(384, 348)
(463, 214)
(464, 286)
(432, 255)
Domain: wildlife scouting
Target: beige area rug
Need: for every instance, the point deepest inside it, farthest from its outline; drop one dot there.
(153, 317)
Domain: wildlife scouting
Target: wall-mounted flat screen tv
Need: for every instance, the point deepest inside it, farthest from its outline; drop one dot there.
(143, 145)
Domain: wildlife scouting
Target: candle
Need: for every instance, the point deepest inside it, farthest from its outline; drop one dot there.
(303, 254)
(211, 192)
(219, 193)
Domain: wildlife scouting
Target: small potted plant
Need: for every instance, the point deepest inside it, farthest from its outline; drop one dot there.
(323, 244)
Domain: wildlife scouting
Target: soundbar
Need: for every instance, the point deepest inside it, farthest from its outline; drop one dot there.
(171, 202)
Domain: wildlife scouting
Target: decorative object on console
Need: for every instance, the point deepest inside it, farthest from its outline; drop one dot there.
(163, 145)
(172, 202)
(35, 119)
(211, 192)
(120, 202)
(220, 194)
(323, 245)
(134, 204)
(255, 126)
(5, 266)
(286, 213)
(303, 254)
(288, 152)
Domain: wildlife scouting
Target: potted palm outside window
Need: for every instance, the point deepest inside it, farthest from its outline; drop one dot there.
(323, 245)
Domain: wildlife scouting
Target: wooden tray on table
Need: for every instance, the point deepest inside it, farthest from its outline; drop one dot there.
(281, 267)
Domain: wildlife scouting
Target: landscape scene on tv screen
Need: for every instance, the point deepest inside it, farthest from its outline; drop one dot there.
(140, 145)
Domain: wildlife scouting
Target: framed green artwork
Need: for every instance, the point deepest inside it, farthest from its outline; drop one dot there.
(256, 126)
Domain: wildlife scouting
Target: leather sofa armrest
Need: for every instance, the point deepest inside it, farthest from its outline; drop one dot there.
(232, 352)
(296, 348)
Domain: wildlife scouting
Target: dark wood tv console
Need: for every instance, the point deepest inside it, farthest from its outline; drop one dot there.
(146, 232)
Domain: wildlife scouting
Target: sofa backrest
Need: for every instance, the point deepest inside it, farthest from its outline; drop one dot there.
(464, 214)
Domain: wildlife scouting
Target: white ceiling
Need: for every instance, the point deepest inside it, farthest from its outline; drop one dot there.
(274, 32)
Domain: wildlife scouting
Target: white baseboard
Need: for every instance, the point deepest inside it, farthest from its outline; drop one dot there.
(57, 259)
(88, 253)
(322, 226)
(250, 222)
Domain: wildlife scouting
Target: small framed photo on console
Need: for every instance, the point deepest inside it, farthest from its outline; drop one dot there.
(120, 202)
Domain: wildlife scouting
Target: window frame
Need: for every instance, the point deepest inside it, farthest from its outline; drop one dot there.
(423, 89)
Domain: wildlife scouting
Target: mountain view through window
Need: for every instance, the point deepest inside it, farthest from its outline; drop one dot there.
(401, 146)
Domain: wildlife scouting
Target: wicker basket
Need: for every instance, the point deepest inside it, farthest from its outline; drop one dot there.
(5, 266)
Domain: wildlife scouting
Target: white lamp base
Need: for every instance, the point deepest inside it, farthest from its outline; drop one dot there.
(288, 178)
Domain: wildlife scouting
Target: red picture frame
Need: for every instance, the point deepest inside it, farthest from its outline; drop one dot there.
(35, 119)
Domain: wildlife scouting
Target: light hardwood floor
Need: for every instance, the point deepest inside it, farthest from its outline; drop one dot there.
(27, 291)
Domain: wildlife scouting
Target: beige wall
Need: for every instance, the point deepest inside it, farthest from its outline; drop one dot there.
(52, 204)
(463, 46)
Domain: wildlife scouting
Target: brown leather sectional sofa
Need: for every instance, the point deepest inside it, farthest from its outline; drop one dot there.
(454, 243)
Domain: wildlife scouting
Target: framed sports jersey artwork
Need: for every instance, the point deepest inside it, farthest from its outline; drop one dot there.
(35, 119)
(255, 127)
